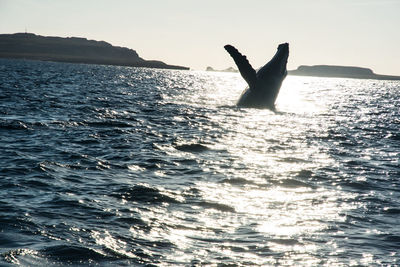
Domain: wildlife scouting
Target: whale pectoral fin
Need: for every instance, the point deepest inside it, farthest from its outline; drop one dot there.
(246, 70)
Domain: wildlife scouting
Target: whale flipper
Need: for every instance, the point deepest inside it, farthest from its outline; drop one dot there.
(264, 84)
(246, 70)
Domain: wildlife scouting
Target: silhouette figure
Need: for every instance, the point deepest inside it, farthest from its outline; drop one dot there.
(264, 84)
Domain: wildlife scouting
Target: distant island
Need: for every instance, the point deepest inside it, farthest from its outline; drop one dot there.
(329, 71)
(73, 50)
(230, 69)
(340, 72)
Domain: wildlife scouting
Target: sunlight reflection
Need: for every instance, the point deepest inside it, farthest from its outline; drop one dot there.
(262, 196)
(281, 213)
(107, 240)
(294, 96)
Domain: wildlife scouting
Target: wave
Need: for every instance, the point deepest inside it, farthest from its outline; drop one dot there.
(194, 148)
(107, 123)
(291, 183)
(237, 181)
(73, 254)
(214, 205)
(143, 193)
(60, 255)
(20, 125)
(13, 125)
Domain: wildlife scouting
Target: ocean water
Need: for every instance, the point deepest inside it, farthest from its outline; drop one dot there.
(106, 165)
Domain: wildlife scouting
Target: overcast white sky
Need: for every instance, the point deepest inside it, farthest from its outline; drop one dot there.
(192, 33)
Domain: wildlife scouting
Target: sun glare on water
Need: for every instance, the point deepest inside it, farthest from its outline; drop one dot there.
(132, 166)
(261, 185)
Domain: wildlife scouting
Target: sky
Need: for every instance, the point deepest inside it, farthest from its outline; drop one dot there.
(192, 33)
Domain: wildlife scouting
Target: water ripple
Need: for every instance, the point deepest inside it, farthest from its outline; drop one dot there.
(106, 165)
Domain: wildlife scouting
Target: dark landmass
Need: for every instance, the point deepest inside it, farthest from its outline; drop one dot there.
(230, 69)
(340, 72)
(73, 50)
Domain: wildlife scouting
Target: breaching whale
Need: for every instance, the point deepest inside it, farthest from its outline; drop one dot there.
(264, 84)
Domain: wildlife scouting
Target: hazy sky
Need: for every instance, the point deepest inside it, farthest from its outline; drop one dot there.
(192, 33)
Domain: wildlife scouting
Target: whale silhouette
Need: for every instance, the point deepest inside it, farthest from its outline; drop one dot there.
(264, 84)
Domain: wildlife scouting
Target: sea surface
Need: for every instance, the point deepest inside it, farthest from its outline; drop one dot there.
(106, 165)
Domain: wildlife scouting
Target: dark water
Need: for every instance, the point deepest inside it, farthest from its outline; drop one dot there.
(104, 165)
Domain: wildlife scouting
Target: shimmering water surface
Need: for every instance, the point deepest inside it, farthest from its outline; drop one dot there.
(105, 165)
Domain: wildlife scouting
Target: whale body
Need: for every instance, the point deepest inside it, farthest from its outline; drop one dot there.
(264, 84)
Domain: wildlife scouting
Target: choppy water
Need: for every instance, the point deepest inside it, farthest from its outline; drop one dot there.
(105, 165)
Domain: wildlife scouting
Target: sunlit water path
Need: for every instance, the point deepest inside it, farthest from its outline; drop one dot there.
(104, 165)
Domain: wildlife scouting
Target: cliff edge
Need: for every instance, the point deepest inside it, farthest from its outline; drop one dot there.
(74, 50)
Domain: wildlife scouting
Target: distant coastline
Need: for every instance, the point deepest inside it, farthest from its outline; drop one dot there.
(81, 50)
(73, 50)
(330, 71)
(340, 72)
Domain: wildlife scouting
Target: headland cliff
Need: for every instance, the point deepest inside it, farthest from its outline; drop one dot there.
(73, 50)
